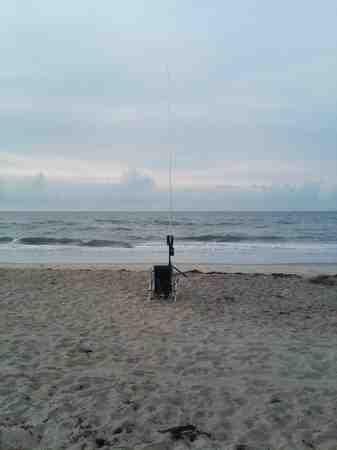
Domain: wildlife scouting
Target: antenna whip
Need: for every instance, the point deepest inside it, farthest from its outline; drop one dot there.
(171, 154)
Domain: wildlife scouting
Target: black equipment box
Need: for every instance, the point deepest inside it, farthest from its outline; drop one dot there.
(163, 280)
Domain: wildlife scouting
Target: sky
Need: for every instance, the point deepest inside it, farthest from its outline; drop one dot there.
(95, 97)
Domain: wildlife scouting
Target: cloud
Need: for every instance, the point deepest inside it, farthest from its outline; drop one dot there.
(85, 99)
(188, 174)
(35, 182)
(302, 197)
(136, 190)
(60, 167)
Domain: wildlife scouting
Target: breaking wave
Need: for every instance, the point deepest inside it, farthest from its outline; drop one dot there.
(286, 222)
(166, 222)
(53, 222)
(48, 241)
(69, 241)
(6, 239)
(105, 243)
(231, 238)
(228, 222)
(111, 221)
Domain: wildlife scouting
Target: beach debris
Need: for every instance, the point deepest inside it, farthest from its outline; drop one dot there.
(190, 432)
(241, 447)
(85, 347)
(192, 271)
(284, 293)
(325, 280)
(308, 443)
(275, 399)
(100, 442)
(154, 446)
(126, 427)
(285, 275)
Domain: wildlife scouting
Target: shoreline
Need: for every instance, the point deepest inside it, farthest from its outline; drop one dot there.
(302, 269)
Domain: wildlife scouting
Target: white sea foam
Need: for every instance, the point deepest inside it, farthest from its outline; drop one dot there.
(227, 238)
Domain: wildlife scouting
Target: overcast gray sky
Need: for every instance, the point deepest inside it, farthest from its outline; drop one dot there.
(85, 95)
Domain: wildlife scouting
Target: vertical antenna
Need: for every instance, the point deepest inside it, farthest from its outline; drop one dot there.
(171, 154)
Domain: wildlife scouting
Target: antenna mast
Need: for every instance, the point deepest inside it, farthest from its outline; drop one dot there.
(171, 154)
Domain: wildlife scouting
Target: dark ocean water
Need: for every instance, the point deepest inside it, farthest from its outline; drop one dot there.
(201, 237)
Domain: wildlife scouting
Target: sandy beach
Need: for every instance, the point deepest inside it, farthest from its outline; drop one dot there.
(242, 360)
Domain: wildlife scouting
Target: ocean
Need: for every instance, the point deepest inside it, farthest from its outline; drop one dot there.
(140, 237)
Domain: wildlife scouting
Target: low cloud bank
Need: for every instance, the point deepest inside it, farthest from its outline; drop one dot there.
(138, 191)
